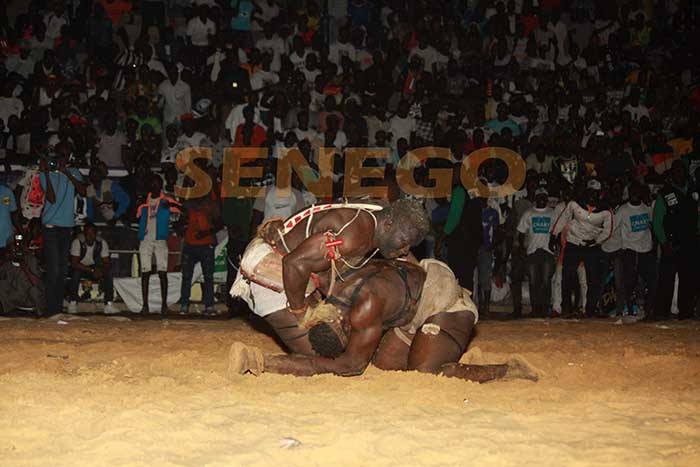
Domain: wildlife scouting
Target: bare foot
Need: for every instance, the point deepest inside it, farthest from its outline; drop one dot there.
(519, 368)
(243, 359)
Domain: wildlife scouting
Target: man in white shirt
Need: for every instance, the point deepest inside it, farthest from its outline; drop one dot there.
(54, 21)
(342, 48)
(402, 125)
(533, 230)
(272, 44)
(9, 105)
(90, 259)
(176, 97)
(201, 29)
(427, 54)
(539, 161)
(636, 109)
(638, 258)
(110, 143)
(588, 227)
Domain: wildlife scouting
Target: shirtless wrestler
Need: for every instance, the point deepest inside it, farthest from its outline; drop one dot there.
(304, 246)
(402, 315)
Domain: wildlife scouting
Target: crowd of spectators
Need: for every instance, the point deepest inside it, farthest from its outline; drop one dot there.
(599, 97)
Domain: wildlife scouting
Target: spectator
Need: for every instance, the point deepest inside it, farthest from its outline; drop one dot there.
(533, 231)
(676, 229)
(588, 227)
(90, 259)
(106, 199)
(154, 228)
(176, 97)
(198, 247)
(8, 216)
(60, 184)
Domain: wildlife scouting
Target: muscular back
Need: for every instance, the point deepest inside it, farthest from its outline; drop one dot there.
(395, 286)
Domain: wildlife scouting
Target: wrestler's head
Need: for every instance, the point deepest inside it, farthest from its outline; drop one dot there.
(328, 339)
(401, 226)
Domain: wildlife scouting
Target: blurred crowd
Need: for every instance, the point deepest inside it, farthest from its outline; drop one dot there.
(599, 98)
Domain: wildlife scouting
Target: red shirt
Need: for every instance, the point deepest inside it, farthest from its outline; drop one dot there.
(257, 139)
(199, 220)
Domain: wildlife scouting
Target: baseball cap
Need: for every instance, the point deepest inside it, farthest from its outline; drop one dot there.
(593, 184)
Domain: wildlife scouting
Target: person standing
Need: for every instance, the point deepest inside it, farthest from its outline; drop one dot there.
(60, 185)
(533, 230)
(675, 227)
(8, 215)
(154, 228)
(588, 227)
(638, 255)
(515, 248)
(198, 247)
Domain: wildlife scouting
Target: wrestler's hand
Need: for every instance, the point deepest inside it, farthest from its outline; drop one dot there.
(243, 359)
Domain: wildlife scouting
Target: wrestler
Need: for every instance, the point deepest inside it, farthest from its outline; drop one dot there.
(317, 246)
(406, 316)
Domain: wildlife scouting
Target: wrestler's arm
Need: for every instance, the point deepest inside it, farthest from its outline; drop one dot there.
(311, 256)
(366, 325)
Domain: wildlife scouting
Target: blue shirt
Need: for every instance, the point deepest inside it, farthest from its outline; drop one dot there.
(245, 12)
(61, 213)
(7, 206)
(498, 126)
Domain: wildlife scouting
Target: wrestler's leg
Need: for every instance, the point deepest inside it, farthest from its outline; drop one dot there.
(294, 336)
(437, 348)
(392, 353)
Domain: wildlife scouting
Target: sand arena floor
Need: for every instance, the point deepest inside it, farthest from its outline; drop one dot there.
(100, 391)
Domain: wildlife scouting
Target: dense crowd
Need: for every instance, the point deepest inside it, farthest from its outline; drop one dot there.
(599, 98)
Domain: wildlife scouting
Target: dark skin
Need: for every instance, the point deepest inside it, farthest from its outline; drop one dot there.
(62, 155)
(95, 270)
(155, 188)
(380, 300)
(309, 255)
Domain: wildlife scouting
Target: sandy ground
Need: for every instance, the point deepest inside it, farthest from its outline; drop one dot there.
(100, 391)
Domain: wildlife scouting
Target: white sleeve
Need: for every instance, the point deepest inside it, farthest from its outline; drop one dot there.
(608, 225)
(525, 221)
(563, 219)
(75, 248)
(105, 250)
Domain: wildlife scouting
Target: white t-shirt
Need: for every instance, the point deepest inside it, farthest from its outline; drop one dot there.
(87, 259)
(428, 56)
(276, 205)
(635, 227)
(637, 112)
(543, 167)
(614, 243)
(152, 225)
(535, 224)
(10, 106)
(262, 78)
(110, 151)
(338, 50)
(401, 128)
(199, 31)
(275, 47)
(177, 100)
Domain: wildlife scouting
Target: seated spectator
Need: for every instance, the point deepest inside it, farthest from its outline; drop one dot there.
(249, 133)
(503, 121)
(142, 116)
(90, 260)
(106, 199)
